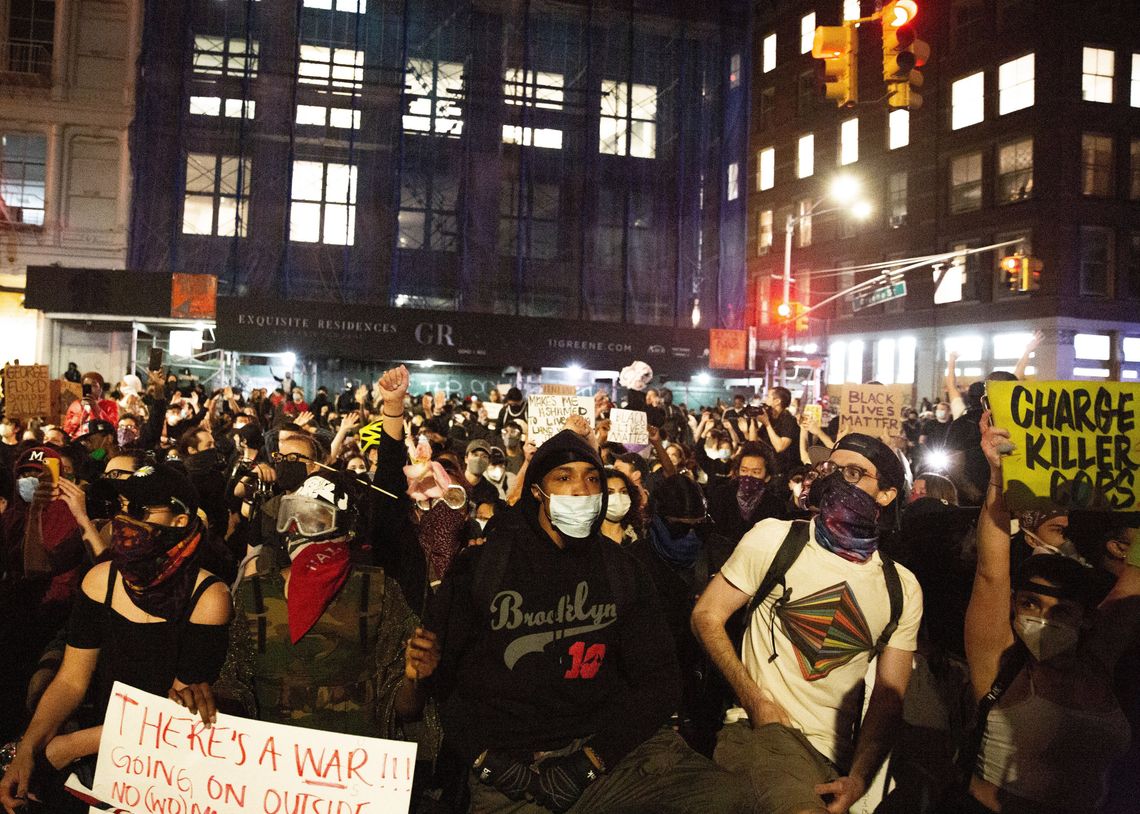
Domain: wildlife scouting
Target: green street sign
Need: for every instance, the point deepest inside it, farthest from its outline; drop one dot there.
(876, 296)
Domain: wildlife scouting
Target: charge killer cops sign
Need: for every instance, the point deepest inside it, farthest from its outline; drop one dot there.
(1076, 445)
(157, 758)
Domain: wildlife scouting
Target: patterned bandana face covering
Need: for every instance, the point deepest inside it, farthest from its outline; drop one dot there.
(848, 520)
(155, 562)
(749, 492)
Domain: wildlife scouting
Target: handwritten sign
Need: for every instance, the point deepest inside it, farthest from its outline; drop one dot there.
(493, 409)
(813, 414)
(27, 391)
(728, 350)
(628, 427)
(873, 409)
(155, 757)
(546, 414)
(1076, 445)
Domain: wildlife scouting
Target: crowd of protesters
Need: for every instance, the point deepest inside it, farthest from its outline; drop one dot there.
(753, 612)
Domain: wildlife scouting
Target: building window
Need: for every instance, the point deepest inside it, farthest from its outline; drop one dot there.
(966, 183)
(435, 90)
(23, 161)
(217, 106)
(764, 234)
(958, 280)
(896, 199)
(967, 101)
(849, 142)
(1096, 161)
(31, 36)
(323, 203)
(1015, 84)
(224, 57)
(766, 173)
(538, 89)
(1134, 97)
(538, 211)
(1015, 171)
(349, 6)
(339, 71)
(805, 156)
(807, 32)
(1098, 66)
(1134, 167)
(733, 185)
(217, 195)
(804, 225)
(734, 71)
(1096, 261)
(546, 137)
(769, 57)
(898, 129)
(427, 218)
(629, 119)
(851, 10)
(767, 111)
(339, 117)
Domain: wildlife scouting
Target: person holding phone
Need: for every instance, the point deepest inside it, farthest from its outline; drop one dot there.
(92, 406)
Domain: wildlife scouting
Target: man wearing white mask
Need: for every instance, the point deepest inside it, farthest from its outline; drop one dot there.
(558, 675)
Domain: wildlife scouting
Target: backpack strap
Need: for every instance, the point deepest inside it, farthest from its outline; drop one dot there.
(895, 596)
(789, 552)
(1008, 670)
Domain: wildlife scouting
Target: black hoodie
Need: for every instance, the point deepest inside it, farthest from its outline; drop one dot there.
(560, 643)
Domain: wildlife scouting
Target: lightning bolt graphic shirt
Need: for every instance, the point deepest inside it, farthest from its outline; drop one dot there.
(823, 635)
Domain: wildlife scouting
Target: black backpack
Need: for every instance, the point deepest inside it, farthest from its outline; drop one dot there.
(789, 552)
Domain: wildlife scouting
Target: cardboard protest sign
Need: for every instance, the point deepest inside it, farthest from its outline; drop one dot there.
(628, 427)
(559, 390)
(728, 349)
(27, 391)
(873, 409)
(154, 756)
(1076, 445)
(493, 409)
(812, 413)
(546, 414)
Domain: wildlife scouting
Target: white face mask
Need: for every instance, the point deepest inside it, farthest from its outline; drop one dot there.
(575, 515)
(618, 507)
(718, 454)
(27, 486)
(941, 415)
(494, 473)
(1044, 639)
(482, 523)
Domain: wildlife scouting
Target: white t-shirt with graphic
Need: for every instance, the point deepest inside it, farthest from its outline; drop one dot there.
(824, 635)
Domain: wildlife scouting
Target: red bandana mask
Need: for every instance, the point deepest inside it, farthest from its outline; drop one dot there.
(318, 573)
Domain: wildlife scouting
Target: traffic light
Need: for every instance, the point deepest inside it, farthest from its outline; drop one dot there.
(903, 52)
(1022, 273)
(793, 312)
(784, 310)
(838, 47)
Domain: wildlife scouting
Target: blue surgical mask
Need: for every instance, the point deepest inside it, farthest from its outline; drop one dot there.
(27, 486)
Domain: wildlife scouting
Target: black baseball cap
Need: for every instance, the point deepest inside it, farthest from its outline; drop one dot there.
(887, 463)
(160, 485)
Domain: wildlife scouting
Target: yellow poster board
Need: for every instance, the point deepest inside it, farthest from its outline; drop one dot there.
(1076, 445)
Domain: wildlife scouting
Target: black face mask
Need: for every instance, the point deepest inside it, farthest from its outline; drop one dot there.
(290, 474)
(205, 461)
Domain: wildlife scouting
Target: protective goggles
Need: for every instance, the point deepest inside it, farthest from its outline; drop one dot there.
(455, 496)
(297, 514)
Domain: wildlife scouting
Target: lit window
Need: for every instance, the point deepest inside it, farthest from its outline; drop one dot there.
(851, 10)
(1015, 171)
(766, 175)
(1096, 261)
(804, 224)
(769, 59)
(764, 238)
(969, 348)
(849, 142)
(885, 361)
(546, 137)
(807, 32)
(1134, 99)
(350, 6)
(733, 181)
(967, 101)
(323, 203)
(896, 199)
(1015, 85)
(533, 89)
(1011, 345)
(855, 362)
(628, 124)
(898, 129)
(217, 195)
(339, 117)
(1098, 68)
(23, 162)
(805, 156)
(1096, 164)
(1131, 349)
(734, 71)
(908, 347)
(434, 90)
(1096, 347)
(217, 106)
(966, 183)
(224, 57)
(333, 70)
(836, 362)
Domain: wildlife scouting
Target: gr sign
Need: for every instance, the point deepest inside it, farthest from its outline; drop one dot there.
(434, 333)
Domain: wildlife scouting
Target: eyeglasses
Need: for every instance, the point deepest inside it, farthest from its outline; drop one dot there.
(290, 457)
(852, 473)
(454, 496)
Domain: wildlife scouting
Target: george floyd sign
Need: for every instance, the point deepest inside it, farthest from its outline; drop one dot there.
(364, 332)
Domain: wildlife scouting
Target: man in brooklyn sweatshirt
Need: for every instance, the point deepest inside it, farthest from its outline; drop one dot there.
(558, 674)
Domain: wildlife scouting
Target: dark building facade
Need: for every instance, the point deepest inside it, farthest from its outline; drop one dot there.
(1029, 131)
(541, 159)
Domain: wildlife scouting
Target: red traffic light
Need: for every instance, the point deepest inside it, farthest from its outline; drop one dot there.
(784, 309)
(1011, 264)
